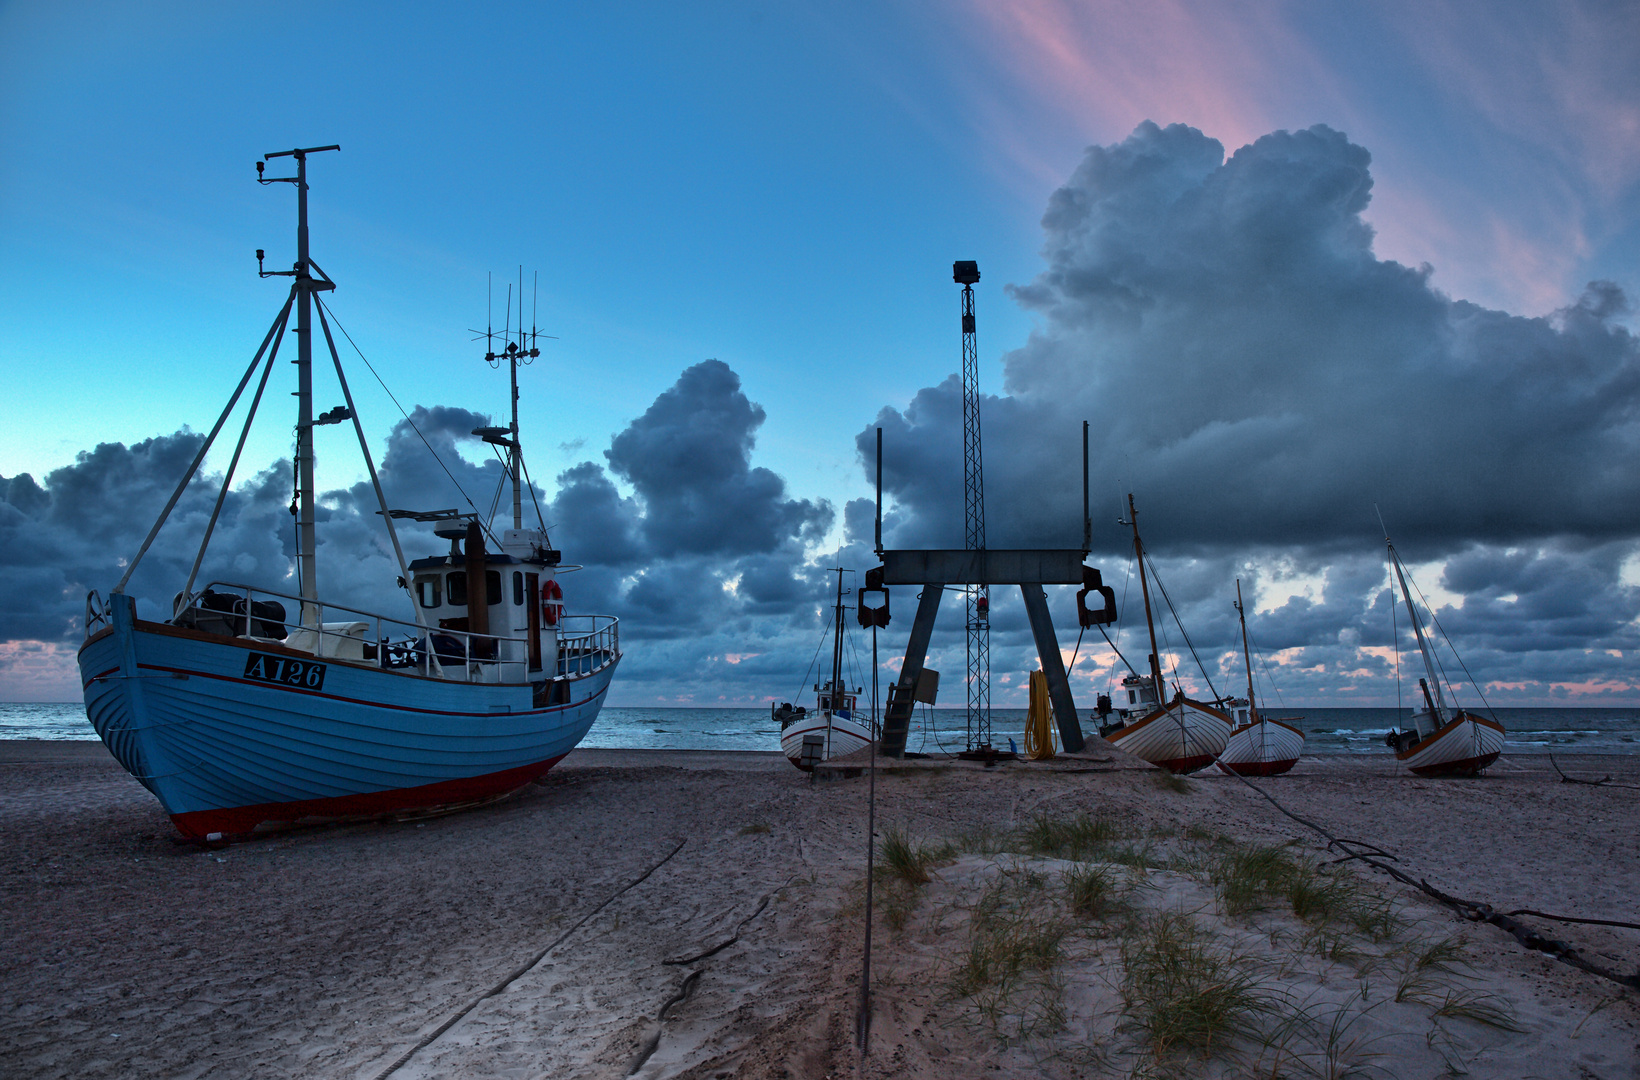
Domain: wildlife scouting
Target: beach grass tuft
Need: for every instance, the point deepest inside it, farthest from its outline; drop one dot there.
(1080, 838)
(1093, 892)
(1186, 993)
(900, 858)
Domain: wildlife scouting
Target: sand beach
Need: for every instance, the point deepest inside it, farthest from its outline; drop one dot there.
(700, 914)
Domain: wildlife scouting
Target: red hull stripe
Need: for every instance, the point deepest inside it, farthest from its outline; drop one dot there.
(1258, 768)
(242, 819)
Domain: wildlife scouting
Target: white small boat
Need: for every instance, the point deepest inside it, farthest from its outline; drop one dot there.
(1259, 745)
(833, 728)
(1183, 736)
(1443, 740)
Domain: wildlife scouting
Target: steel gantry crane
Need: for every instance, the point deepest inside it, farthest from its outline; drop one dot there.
(977, 598)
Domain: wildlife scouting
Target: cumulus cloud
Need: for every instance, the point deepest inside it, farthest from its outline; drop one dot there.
(1261, 379)
(700, 551)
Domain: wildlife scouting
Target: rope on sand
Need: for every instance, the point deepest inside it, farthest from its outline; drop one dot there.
(523, 968)
(1604, 781)
(1474, 910)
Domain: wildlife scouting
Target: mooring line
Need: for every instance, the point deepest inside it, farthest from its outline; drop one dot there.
(1475, 911)
(740, 928)
(522, 969)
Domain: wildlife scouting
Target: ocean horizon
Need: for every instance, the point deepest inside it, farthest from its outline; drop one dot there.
(1327, 730)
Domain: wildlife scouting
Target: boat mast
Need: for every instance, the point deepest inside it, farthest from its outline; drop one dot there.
(306, 285)
(1246, 655)
(1150, 622)
(1418, 632)
(837, 646)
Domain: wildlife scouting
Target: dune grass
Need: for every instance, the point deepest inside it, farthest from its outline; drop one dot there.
(1184, 993)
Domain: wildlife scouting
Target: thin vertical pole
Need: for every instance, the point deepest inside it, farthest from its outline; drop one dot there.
(1150, 622)
(862, 1021)
(306, 543)
(1087, 517)
(879, 548)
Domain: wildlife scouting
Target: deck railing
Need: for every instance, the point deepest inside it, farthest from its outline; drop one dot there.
(585, 643)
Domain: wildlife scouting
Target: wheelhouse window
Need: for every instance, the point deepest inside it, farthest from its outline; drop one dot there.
(518, 588)
(427, 591)
(455, 587)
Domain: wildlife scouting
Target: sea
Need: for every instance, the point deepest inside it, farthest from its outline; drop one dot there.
(1327, 731)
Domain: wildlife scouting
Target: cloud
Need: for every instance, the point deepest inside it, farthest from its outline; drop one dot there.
(689, 460)
(701, 553)
(1262, 380)
(1259, 374)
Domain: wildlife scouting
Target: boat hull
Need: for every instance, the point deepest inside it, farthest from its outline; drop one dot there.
(1184, 737)
(1264, 748)
(224, 752)
(1464, 746)
(843, 737)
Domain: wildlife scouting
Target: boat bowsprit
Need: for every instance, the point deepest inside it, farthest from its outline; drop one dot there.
(251, 706)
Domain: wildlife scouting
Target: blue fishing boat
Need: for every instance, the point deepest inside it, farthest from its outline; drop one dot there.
(252, 708)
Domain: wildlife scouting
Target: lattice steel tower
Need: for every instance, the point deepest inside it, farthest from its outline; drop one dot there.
(977, 600)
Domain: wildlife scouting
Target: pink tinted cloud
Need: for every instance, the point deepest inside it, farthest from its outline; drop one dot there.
(1045, 77)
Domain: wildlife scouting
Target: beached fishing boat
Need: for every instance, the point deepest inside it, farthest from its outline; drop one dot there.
(1184, 734)
(833, 728)
(251, 706)
(1259, 745)
(1443, 740)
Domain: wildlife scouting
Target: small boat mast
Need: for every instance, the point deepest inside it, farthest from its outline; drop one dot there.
(1150, 622)
(1432, 685)
(1247, 656)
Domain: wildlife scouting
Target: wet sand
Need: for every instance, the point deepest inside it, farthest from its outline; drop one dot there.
(697, 914)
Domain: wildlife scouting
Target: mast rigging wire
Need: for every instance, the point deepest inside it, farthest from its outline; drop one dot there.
(485, 526)
(1188, 643)
(233, 464)
(182, 485)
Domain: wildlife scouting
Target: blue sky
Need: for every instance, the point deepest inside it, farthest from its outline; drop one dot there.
(782, 189)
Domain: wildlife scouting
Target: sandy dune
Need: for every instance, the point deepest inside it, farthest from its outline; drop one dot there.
(699, 915)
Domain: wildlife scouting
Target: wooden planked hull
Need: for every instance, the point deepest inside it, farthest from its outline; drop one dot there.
(1265, 748)
(1184, 737)
(844, 736)
(224, 753)
(1464, 746)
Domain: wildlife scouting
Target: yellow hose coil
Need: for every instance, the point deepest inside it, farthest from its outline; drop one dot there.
(1040, 740)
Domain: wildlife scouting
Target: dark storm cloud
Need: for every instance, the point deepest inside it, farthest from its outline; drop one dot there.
(1261, 380)
(1259, 375)
(689, 459)
(706, 540)
(703, 554)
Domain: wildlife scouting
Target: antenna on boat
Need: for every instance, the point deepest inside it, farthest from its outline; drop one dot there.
(523, 351)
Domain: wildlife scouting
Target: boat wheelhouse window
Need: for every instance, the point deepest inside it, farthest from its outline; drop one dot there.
(427, 591)
(1133, 699)
(456, 587)
(518, 588)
